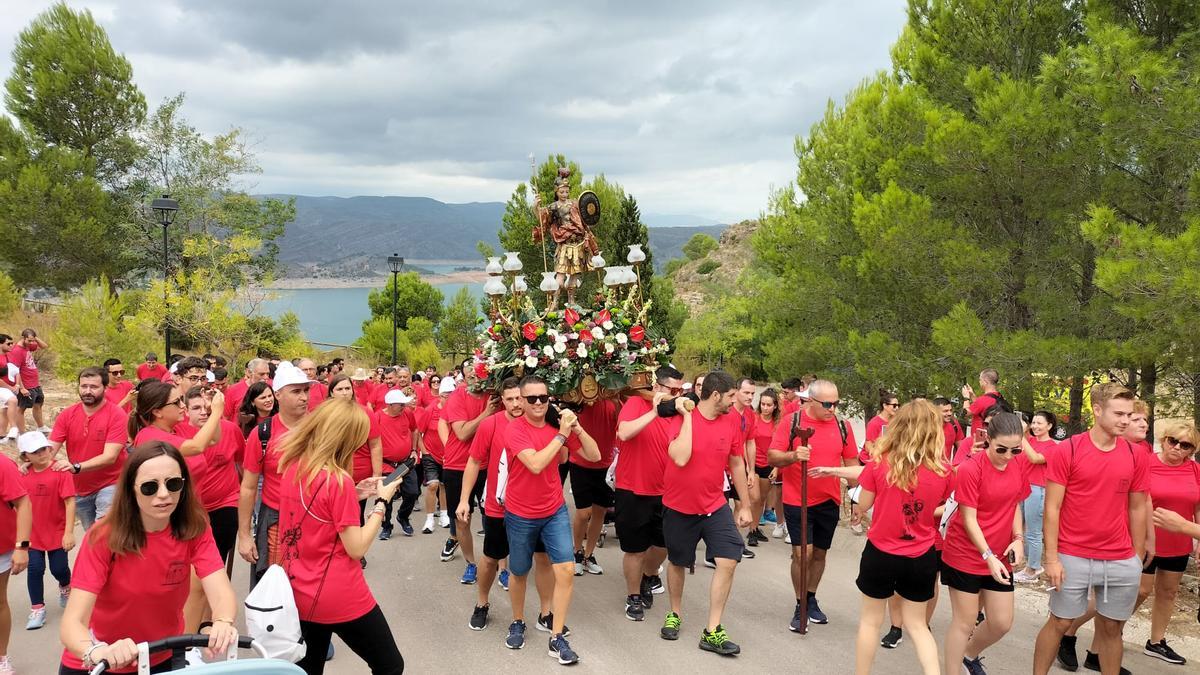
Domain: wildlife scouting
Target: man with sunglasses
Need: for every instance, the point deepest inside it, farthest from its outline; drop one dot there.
(642, 440)
(117, 391)
(94, 432)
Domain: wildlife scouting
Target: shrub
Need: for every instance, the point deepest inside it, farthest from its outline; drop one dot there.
(95, 324)
(10, 295)
(707, 267)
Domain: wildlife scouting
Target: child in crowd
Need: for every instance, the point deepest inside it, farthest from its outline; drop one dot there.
(52, 494)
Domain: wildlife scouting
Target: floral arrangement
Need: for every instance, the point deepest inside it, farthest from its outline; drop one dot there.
(608, 342)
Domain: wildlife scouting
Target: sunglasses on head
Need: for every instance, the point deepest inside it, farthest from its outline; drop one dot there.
(1182, 445)
(1001, 450)
(829, 405)
(150, 487)
(538, 399)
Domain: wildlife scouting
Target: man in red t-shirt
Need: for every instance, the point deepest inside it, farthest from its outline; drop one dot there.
(707, 442)
(397, 423)
(952, 430)
(257, 370)
(743, 407)
(989, 379)
(534, 510)
(94, 432)
(118, 388)
(319, 391)
(642, 439)
(1095, 530)
(29, 388)
(832, 444)
(466, 409)
(151, 369)
(390, 382)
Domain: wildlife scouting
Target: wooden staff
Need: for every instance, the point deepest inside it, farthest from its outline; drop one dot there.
(804, 434)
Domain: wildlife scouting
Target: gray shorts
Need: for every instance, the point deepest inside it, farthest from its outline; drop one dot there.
(1115, 583)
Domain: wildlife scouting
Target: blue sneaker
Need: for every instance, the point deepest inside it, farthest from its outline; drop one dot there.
(469, 575)
(770, 516)
(406, 527)
(815, 615)
(502, 579)
(560, 649)
(329, 652)
(516, 635)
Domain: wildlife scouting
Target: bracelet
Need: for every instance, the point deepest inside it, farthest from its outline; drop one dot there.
(380, 500)
(988, 554)
(562, 440)
(87, 654)
(228, 621)
(377, 511)
(203, 625)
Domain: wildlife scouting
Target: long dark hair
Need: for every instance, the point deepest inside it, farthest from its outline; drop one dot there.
(247, 413)
(123, 524)
(774, 396)
(1050, 418)
(338, 379)
(149, 395)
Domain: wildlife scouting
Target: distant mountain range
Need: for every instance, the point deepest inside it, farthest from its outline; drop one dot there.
(351, 236)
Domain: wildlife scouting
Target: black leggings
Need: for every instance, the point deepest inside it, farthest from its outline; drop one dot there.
(368, 636)
(224, 525)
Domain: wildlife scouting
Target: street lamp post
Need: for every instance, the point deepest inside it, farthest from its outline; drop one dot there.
(165, 209)
(397, 264)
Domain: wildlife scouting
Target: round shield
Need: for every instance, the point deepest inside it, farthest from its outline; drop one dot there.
(589, 208)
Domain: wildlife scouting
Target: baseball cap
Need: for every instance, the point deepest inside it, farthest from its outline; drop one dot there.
(396, 396)
(32, 441)
(287, 374)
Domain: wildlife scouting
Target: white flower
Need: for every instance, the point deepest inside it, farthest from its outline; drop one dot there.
(531, 362)
(560, 347)
(564, 363)
(607, 325)
(560, 339)
(622, 338)
(581, 351)
(643, 350)
(609, 348)
(598, 333)
(548, 350)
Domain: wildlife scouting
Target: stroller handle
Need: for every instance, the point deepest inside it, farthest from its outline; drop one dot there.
(182, 642)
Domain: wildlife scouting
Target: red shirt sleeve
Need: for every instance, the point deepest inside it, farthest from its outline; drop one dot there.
(737, 444)
(66, 486)
(252, 453)
(1141, 472)
(517, 439)
(59, 433)
(779, 440)
(966, 484)
(91, 569)
(850, 447)
(868, 479)
(1058, 468)
(343, 507)
(205, 559)
(482, 442)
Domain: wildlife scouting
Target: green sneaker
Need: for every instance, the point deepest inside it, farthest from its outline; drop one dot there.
(670, 629)
(718, 642)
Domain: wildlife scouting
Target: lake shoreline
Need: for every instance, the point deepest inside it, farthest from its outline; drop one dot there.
(313, 283)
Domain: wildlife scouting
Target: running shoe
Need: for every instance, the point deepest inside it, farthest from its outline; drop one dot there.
(718, 642)
(747, 553)
(470, 575)
(579, 563)
(709, 563)
(502, 579)
(45, 429)
(1023, 577)
(64, 594)
(656, 584)
(37, 619)
(670, 629)
(1092, 662)
(762, 520)
(770, 515)
(13, 432)
(516, 635)
(6, 666)
(479, 618)
(546, 624)
(973, 666)
(646, 591)
(788, 538)
(1067, 658)
(797, 618)
(449, 549)
(385, 534)
(634, 610)
(893, 638)
(1160, 650)
(362, 562)
(561, 650)
(591, 566)
(778, 531)
(428, 528)
(445, 519)
(815, 615)
(407, 528)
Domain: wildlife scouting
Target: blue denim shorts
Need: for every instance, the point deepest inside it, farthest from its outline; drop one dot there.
(554, 531)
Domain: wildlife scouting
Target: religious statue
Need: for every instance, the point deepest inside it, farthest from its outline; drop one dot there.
(570, 228)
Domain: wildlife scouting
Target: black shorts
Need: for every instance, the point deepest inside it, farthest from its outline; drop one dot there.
(224, 523)
(589, 487)
(881, 575)
(35, 397)
(763, 472)
(453, 480)
(431, 470)
(562, 472)
(495, 539)
(971, 583)
(822, 522)
(639, 521)
(683, 531)
(1175, 563)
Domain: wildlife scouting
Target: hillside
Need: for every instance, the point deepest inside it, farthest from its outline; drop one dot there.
(698, 280)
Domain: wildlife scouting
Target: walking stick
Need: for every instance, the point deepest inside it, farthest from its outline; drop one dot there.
(804, 434)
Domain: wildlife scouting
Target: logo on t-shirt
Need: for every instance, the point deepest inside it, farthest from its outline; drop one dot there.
(42, 490)
(1123, 485)
(177, 573)
(912, 509)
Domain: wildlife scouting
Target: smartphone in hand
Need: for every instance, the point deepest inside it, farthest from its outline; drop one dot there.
(400, 472)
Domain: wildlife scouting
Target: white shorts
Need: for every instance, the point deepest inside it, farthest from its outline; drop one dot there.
(6, 562)
(6, 395)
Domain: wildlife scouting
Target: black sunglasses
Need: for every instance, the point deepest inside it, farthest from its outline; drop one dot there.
(1182, 445)
(150, 487)
(538, 399)
(829, 405)
(1001, 450)
(116, 372)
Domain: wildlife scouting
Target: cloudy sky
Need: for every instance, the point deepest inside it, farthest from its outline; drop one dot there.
(692, 106)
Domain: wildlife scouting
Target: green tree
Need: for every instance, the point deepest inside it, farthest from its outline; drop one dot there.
(456, 334)
(699, 246)
(10, 295)
(413, 298)
(97, 324)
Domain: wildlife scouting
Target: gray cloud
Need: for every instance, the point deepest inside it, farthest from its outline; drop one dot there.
(693, 107)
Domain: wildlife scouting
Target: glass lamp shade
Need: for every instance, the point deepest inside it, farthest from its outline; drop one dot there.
(636, 254)
(597, 262)
(612, 276)
(549, 283)
(494, 266)
(495, 287)
(511, 262)
(628, 276)
(519, 285)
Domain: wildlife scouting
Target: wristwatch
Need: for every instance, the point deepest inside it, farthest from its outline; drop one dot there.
(76, 468)
(22, 546)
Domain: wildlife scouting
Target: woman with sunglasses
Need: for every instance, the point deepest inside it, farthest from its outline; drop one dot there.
(258, 405)
(888, 405)
(131, 575)
(322, 541)
(1041, 430)
(984, 540)
(1174, 486)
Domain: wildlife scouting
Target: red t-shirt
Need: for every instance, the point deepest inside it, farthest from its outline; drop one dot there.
(220, 485)
(486, 448)
(424, 396)
(22, 357)
(1094, 520)
(875, 428)
(698, 487)
(599, 420)
(980, 406)
(1037, 472)
(147, 372)
(1144, 445)
(85, 437)
(233, 399)
(764, 431)
(266, 466)
(197, 465)
(462, 406)
(115, 394)
(994, 494)
(48, 490)
(527, 494)
(12, 488)
(902, 521)
(826, 449)
(316, 396)
(643, 458)
(790, 407)
(377, 397)
(1175, 488)
(362, 456)
(328, 584)
(427, 426)
(953, 432)
(140, 595)
(396, 433)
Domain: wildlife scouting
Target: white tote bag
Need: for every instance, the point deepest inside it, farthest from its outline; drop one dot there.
(271, 616)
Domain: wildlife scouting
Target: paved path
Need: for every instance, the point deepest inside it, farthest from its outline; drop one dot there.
(428, 612)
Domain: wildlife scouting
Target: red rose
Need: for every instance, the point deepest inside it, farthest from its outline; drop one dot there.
(637, 334)
(481, 370)
(571, 317)
(603, 316)
(529, 330)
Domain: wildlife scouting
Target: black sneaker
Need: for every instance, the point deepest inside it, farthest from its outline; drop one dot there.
(449, 549)
(546, 624)
(1067, 660)
(1160, 650)
(634, 611)
(1092, 662)
(670, 629)
(797, 617)
(815, 615)
(647, 592)
(363, 562)
(406, 527)
(893, 638)
(579, 563)
(751, 539)
(516, 635)
(385, 534)
(479, 618)
(656, 585)
(718, 642)
(973, 666)
(747, 553)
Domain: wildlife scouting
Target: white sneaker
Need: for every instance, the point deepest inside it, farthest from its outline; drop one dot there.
(13, 432)
(788, 539)
(445, 519)
(591, 566)
(44, 429)
(37, 619)
(6, 666)
(1023, 578)
(857, 528)
(778, 531)
(428, 529)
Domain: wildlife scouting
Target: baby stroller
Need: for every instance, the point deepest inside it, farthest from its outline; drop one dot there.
(179, 644)
(608, 518)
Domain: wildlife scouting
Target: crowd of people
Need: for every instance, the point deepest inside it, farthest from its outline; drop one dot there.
(302, 465)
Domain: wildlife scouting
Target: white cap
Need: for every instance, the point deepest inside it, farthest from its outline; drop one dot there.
(208, 374)
(287, 374)
(687, 385)
(447, 386)
(32, 441)
(804, 394)
(396, 396)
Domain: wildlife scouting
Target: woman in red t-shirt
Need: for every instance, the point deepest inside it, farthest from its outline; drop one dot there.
(131, 575)
(980, 536)
(1175, 486)
(321, 539)
(1041, 426)
(888, 405)
(258, 404)
(1139, 426)
(765, 422)
(433, 450)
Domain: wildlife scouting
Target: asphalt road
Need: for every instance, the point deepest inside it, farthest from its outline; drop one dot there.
(428, 611)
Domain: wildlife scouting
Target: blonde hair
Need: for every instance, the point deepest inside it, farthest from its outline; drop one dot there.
(914, 439)
(1106, 391)
(326, 440)
(1140, 407)
(1179, 430)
